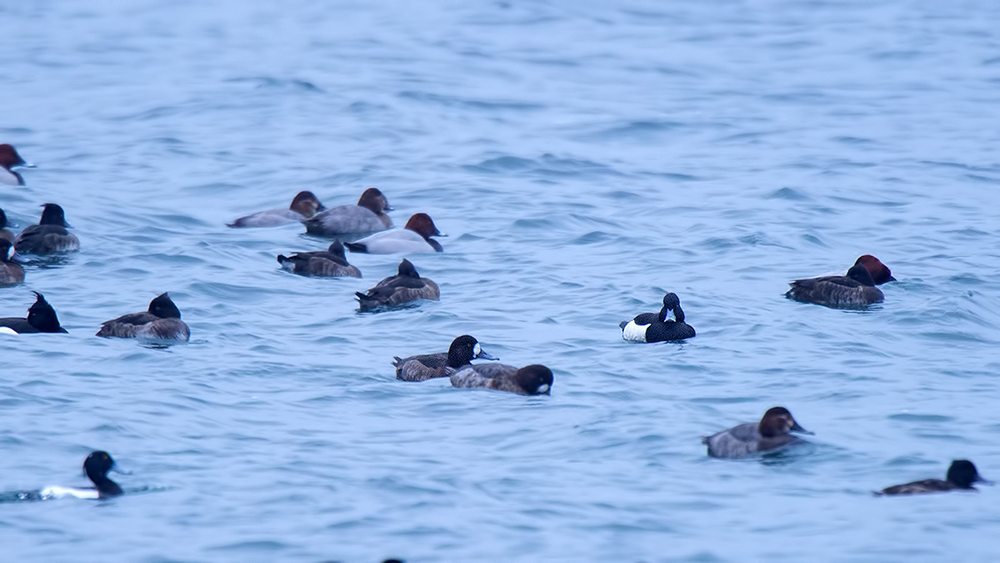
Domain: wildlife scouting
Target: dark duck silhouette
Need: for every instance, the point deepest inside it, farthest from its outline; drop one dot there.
(655, 327)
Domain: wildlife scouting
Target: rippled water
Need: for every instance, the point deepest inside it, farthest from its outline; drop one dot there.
(584, 159)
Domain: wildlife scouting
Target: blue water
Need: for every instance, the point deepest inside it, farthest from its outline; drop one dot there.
(584, 157)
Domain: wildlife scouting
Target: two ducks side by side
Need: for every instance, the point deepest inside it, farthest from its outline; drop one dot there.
(655, 327)
(404, 287)
(331, 263)
(853, 290)
(422, 367)
(161, 321)
(304, 205)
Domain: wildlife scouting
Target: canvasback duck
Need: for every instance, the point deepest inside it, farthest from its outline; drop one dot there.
(41, 318)
(330, 263)
(49, 236)
(5, 233)
(11, 273)
(771, 433)
(161, 321)
(368, 216)
(530, 380)
(414, 237)
(961, 475)
(9, 159)
(655, 327)
(854, 290)
(462, 351)
(96, 466)
(404, 287)
(304, 205)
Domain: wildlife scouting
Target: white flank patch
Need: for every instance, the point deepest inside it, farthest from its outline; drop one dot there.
(7, 177)
(59, 492)
(7, 330)
(634, 333)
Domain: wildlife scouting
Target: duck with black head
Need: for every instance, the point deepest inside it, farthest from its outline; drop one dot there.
(161, 321)
(854, 290)
(656, 327)
(368, 216)
(304, 205)
(9, 160)
(96, 466)
(41, 318)
(535, 379)
(404, 287)
(11, 273)
(462, 351)
(5, 233)
(771, 433)
(49, 236)
(331, 263)
(961, 475)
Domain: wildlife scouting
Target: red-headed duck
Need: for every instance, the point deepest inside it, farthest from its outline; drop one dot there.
(161, 321)
(414, 237)
(304, 205)
(961, 475)
(462, 351)
(404, 287)
(328, 264)
(9, 159)
(853, 290)
(771, 433)
(368, 216)
(655, 327)
(530, 380)
(41, 318)
(49, 236)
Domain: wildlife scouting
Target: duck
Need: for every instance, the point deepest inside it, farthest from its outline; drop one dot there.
(961, 475)
(414, 237)
(771, 433)
(161, 321)
(854, 290)
(368, 216)
(49, 236)
(331, 263)
(96, 466)
(654, 327)
(535, 379)
(9, 159)
(304, 205)
(11, 273)
(41, 318)
(462, 351)
(405, 286)
(5, 233)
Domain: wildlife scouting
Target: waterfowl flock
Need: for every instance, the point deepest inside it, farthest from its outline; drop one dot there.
(366, 228)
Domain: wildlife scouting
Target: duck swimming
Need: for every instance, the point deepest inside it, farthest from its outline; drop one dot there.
(304, 205)
(11, 273)
(49, 236)
(9, 159)
(462, 351)
(5, 233)
(771, 433)
(368, 216)
(96, 466)
(331, 263)
(161, 321)
(854, 290)
(961, 475)
(404, 287)
(414, 237)
(654, 327)
(530, 380)
(41, 318)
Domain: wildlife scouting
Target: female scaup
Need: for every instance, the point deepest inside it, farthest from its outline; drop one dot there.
(368, 216)
(162, 321)
(11, 273)
(462, 351)
(530, 380)
(331, 263)
(654, 327)
(414, 237)
(96, 466)
(404, 287)
(771, 433)
(49, 236)
(853, 290)
(5, 233)
(41, 318)
(9, 159)
(304, 205)
(961, 475)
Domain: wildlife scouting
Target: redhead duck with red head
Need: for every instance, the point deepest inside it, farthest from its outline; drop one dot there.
(9, 159)
(771, 433)
(304, 205)
(854, 290)
(368, 216)
(413, 238)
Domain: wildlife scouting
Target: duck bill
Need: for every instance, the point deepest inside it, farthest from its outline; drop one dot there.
(891, 279)
(484, 356)
(796, 428)
(321, 208)
(982, 481)
(115, 468)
